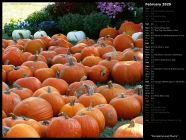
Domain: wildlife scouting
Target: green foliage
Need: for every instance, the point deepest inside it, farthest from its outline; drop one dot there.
(94, 22)
(12, 25)
(70, 22)
(35, 18)
(50, 11)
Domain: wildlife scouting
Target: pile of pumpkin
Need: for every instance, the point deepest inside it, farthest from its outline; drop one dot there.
(49, 86)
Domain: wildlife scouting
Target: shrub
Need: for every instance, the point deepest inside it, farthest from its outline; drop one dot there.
(70, 22)
(94, 22)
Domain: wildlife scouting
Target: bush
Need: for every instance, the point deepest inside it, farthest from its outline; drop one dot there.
(50, 27)
(50, 11)
(35, 18)
(94, 22)
(70, 22)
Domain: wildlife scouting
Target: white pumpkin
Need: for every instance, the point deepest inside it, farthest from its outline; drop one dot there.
(137, 35)
(19, 34)
(76, 36)
(39, 34)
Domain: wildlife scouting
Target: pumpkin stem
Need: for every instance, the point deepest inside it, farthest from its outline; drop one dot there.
(103, 72)
(45, 122)
(41, 49)
(6, 62)
(21, 35)
(135, 58)
(83, 78)
(139, 90)
(5, 130)
(71, 61)
(90, 106)
(49, 89)
(25, 118)
(58, 75)
(72, 102)
(89, 88)
(109, 58)
(132, 124)
(106, 37)
(17, 86)
(63, 114)
(14, 117)
(110, 84)
(36, 56)
(7, 91)
(121, 95)
(68, 52)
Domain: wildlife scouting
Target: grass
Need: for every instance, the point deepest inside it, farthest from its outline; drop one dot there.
(20, 9)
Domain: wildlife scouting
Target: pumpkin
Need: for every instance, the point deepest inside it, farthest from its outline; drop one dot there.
(137, 35)
(78, 48)
(21, 47)
(56, 68)
(36, 57)
(130, 106)
(138, 43)
(22, 92)
(104, 48)
(122, 42)
(89, 126)
(22, 131)
(64, 127)
(75, 70)
(26, 55)
(77, 56)
(10, 100)
(17, 73)
(76, 36)
(91, 60)
(60, 42)
(60, 84)
(62, 59)
(129, 28)
(44, 126)
(109, 113)
(61, 50)
(9, 121)
(60, 36)
(67, 98)
(39, 34)
(77, 88)
(35, 65)
(44, 73)
(3, 114)
(46, 40)
(115, 55)
(98, 73)
(34, 46)
(4, 86)
(110, 90)
(21, 34)
(108, 63)
(128, 72)
(87, 51)
(131, 130)
(130, 53)
(33, 123)
(107, 40)
(138, 120)
(87, 41)
(14, 56)
(4, 75)
(6, 43)
(71, 108)
(55, 100)
(48, 55)
(108, 31)
(45, 90)
(35, 108)
(91, 97)
(31, 83)
(96, 114)
(7, 68)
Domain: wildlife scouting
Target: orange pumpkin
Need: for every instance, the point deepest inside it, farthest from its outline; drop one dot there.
(129, 28)
(44, 73)
(87, 41)
(96, 114)
(4, 75)
(35, 108)
(77, 56)
(34, 46)
(48, 55)
(4, 86)
(10, 100)
(64, 127)
(78, 48)
(109, 113)
(108, 31)
(56, 67)
(91, 60)
(22, 131)
(89, 126)
(26, 55)
(107, 40)
(128, 72)
(98, 73)
(60, 42)
(87, 51)
(71, 108)
(61, 50)
(130, 106)
(91, 97)
(36, 57)
(62, 59)
(131, 130)
(122, 42)
(104, 48)
(115, 55)
(45, 90)
(60, 36)
(44, 126)
(3, 114)
(138, 43)
(75, 70)
(29, 82)
(67, 98)
(138, 120)
(6, 43)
